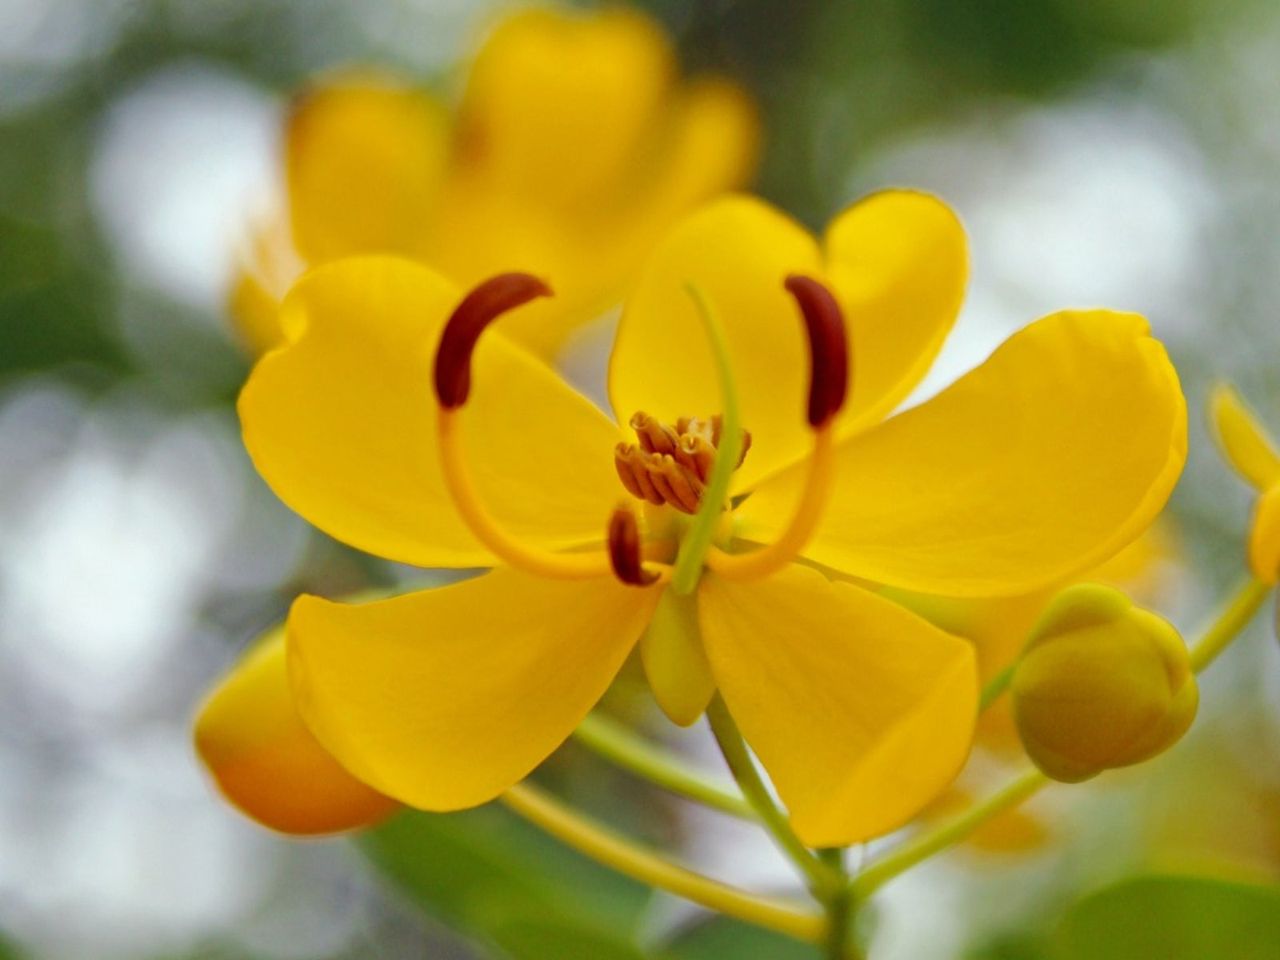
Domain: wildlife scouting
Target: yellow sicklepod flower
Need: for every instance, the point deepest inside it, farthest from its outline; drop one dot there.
(574, 145)
(266, 762)
(1049, 457)
(1101, 684)
(1247, 447)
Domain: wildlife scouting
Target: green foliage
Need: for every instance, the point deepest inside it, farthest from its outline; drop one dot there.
(724, 938)
(1174, 918)
(51, 307)
(1011, 947)
(493, 876)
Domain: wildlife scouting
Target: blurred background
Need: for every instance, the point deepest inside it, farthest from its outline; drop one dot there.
(1114, 152)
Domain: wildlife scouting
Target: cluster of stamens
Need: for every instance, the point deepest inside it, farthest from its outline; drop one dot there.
(671, 465)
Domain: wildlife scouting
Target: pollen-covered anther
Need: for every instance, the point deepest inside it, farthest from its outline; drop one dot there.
(625, 550)
(670, 465)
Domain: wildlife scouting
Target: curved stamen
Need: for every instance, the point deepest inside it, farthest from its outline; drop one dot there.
(627, 554)
(828, 387)
(478, 309)
(828, 347)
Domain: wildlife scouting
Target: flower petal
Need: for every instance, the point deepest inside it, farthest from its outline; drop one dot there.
(1264, 537)
(899, 263)
(1041, 463)
(266, 762)
(342, 423)
(558, 102)
(1243, 439)
(860, 711)
(267, 268)
(707, 144)
(738, 251)
(364, 160)
(446, 697)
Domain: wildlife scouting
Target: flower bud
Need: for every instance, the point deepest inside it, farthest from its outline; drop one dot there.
(267, 763)
(1101, 684)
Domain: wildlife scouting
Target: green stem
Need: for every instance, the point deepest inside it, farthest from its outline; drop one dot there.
(840, 908)
(614, 851)
(821, 878)
(1230, 621)
(615, 742)
(925, 845)
(1233, 618)
(998, 685)
(693, 549)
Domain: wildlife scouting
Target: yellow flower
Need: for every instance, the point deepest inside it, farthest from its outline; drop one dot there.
(574, 146)
(1052, 455)
(1101, 684)
(1248, 448)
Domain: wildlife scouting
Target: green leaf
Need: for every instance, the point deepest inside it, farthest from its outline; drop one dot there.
(488, 873)
(721, 938)
(540, 940)
(1174, 918)
(1012, 946)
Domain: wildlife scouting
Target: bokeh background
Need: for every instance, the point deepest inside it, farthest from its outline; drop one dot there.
(1115, 152)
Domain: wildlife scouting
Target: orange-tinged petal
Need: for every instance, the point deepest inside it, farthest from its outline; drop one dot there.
(1050, 457)
(739, 251)
(342, 423)
(861, 712)
(1243, 439)
(364, 159)
(445, 698)
(266, 762)
(898, 261)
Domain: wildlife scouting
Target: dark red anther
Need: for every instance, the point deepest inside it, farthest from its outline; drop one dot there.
(828, 347)
(624, 549)
(478, 309)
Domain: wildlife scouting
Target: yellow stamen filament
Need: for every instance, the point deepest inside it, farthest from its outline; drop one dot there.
(804, 521)
(545, 563)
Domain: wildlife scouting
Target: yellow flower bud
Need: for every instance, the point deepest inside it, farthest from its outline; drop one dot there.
(1101, 684)
(267, 763)
(1264, 537)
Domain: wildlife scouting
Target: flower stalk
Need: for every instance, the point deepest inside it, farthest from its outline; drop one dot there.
(647, 867)
(616, 743)
(821, 879)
